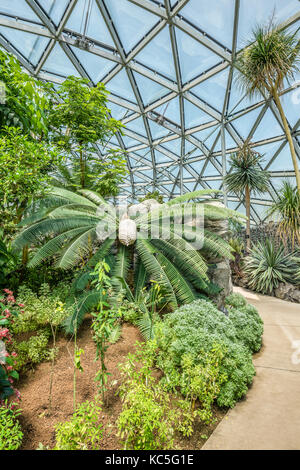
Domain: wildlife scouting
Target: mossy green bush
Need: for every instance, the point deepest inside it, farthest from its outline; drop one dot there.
(195, 329)
(11, 434)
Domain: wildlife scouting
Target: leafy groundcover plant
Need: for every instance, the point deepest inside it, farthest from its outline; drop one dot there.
(10, 429)
(194, 330)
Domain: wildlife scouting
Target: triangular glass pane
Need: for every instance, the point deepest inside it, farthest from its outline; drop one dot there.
(238, 99)
(207, 136)
(173, 145)
(54, 8)
(120, 86)
(193, 115)
(157, 131)
(213, 90)
(291, 106)
(137, 125)
(197, 166)
(170, 110)
(268, 127)
(260, 12)
(260, 210)
(214, 184)
(59, 64)
(96, 29)
(158, 54)
(20, 8)
(245, 123)
(161, 158)
(118, 112)
(210, 170)
(283, 161)
(95, 66)
(230, 142)
(214, 17)
(29, 45)
(150, 90)
(131, 21)
(194, 58)
(129, 141)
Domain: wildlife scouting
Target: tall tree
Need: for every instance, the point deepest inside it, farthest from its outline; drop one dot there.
(246, 176)
(24, 100)
(80, 118)
(271, 57)
(24, 171)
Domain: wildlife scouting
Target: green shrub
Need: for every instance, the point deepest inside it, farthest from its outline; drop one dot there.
(195, 330)
(236, 300)
(10, 429)
(149, 418)
(83, 431)
(32, 351)
(40, 312)
(248, 324)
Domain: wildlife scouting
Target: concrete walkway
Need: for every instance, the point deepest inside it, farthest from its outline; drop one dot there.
(269, 417)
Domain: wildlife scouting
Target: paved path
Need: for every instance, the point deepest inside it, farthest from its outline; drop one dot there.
(269, 417)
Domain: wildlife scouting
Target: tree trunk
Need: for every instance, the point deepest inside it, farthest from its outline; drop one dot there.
(82, 169)
(247, 204)
(288, 135)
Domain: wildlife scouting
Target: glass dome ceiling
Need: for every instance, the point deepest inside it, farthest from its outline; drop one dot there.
(168, 67)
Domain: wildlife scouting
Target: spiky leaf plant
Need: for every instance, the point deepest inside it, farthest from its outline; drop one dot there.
(246, 175)
(267, 266)
(82, 228)
(271, 56)
(286, 209)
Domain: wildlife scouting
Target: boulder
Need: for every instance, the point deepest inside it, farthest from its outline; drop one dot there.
(221, 275)
(283, 291)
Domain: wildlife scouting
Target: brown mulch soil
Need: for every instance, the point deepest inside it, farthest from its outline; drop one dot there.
(38, 424)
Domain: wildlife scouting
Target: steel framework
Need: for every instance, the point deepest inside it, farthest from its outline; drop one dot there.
(164, 151)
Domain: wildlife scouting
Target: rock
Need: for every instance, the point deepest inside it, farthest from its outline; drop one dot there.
(283, 291)
(221, 275)
(295, 295)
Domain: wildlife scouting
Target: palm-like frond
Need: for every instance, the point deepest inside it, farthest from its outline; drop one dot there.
(83, 305)
(147, 253)
(181, 287)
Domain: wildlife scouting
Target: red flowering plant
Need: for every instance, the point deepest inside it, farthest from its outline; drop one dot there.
(9, 310)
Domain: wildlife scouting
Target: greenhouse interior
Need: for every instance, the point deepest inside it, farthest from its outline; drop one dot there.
(150, 226)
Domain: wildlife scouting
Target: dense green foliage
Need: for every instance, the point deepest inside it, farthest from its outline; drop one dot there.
(24, 169)
(268, 265)
(24, 100)
(195, 330)
(10, 429)
(80, 118)
(81, 221)
(40, 312)
(83, 431)
(149, 417)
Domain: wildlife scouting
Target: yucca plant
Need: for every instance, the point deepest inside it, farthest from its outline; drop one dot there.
(286, 209)
(246, 175)
(271, 57)
(75, 228)
(268, 265)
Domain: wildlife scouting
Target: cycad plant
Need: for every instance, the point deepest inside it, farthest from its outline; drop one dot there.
(84, 229)
(286, 208)
(246, 175)
(271, 57)
(268, 265)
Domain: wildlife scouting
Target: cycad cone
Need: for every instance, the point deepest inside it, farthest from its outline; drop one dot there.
(127, 231)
